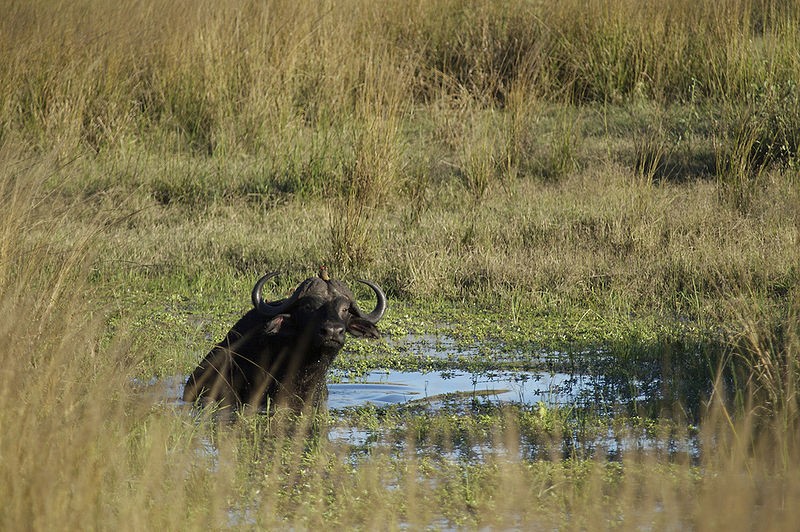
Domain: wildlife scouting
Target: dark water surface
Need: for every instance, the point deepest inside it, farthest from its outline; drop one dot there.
(605, 382)
(600, 383)
(390, 387)
(383, 388)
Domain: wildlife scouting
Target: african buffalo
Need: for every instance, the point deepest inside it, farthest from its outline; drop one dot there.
(281, 350)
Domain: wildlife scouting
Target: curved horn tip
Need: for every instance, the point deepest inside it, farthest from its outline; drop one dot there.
(257, 297)
(380, 305)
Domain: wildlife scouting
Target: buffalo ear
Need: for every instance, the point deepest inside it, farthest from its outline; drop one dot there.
(282, 324)
(359, 327)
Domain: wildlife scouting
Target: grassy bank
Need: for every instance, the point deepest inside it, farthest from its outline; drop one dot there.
(594, 258)
(532, 176)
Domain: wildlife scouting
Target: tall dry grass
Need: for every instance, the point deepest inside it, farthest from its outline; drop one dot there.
(357, 101)
(83, 446)
(82, 449)
(248, 77)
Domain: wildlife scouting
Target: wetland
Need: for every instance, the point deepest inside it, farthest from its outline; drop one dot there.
(585, 216)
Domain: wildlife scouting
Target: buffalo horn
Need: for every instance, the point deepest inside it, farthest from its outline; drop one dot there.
(271, 308)
(380, 306)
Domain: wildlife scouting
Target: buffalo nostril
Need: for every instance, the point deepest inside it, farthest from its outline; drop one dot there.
(333, 331)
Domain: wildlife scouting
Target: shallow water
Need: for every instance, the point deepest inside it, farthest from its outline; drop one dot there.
(605, 389)
(383, 388)
(606, 383)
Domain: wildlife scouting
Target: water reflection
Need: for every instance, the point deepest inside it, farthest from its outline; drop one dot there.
(382, 388)
(647, 386)
(596, 382)
(649, 379)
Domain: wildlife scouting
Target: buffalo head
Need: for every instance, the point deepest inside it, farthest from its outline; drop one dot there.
(281, 350)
